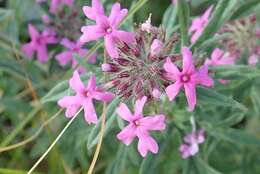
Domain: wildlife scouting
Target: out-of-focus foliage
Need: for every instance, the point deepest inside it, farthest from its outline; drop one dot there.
(229, 113)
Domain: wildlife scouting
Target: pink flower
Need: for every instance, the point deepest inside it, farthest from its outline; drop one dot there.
(56, 3)
(84, 97)
(72, 48)
(147, 26)
(218, 57)
(140, 126)
(199, 24)
(156, 47)
(156, 93)
(192, 141)
(39, 43)
(46, 19)
(253, 59)
(188, 78)
(106, 27)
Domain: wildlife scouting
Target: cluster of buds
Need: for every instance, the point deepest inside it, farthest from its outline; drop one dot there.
(139, 69)
(244, 35)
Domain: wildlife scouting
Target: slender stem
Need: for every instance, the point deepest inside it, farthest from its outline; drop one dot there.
(35, 135)
(101, 135)
(54, 142)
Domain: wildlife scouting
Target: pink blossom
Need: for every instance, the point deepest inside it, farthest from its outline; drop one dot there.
(73, 48)
(147, 26)
(56, 3)
(39, 43)
(106, 27)
(199, 24)
(156, 47)
(156, 93)
(253, 59)
(188, 78)
(191, 145)
(84, 97)
(46, 19)
(218, 57)
(139, 126)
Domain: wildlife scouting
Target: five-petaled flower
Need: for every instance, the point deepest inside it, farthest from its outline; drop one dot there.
(84, 97)
(188, 78)
(140, 126)
(106, 27)
(73, 48)
(198, 25)
(39, 43)
(191, 145)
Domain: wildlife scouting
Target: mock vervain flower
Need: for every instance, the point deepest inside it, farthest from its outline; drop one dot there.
(139, 126)
(84, 97)
(106, 27)
(72, 48)
(39, 43)
(191, 145)
(198, 25)
(55, 4)
(188, 78)
(139, 70)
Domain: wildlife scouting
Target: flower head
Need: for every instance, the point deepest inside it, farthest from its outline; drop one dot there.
(84, 97)
(198, 25)
(218, 57)
(56, 3)
(191, 145)
(106, 27)
(139, 126)
(39, 43)
(188, 78)
(72, 48)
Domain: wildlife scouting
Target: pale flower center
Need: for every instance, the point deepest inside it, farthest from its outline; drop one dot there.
(109, 30)
(137, 123)
(86, 93)
(185, 78)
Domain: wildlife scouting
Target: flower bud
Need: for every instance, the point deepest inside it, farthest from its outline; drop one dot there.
(156, 47)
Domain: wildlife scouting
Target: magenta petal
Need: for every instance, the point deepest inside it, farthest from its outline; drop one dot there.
(185, 151)
(204, 78)
(127, 134)
(127, 37)
(124, 112)
(190, 92)
(64, 57)
(71, 103)
(217, 54)
(171, 68)
(173, 90)
(75, 83)
(91, 33)
(146, 143)
(201, 136)
(111, 46)
(42, 53)
(188, 66)
(139, 104)
(156, 122)
(34, 34)
(89, 112)
(92, 84)
(54, 6)
(68, 2)
(205, 16)
(117, 15)
(28, 49)
(67, 43)
(103, 96)
(196, 35)
(193, 149)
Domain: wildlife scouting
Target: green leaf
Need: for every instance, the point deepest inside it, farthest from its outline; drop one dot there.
(255, 97)
(169, 19)
(111, 118)
(245, 8)
(8, 24)
(12, 67)
(220, 15)
(183, 16)
(231, 72)
(236, 136)
(208, 96)
(204, 168)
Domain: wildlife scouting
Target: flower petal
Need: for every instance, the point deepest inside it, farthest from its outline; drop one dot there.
(117, 15)
(204, 78)
(64, 57)
(190, 92)
(139, 104)
(171, 68)
(173, 90)
(34, 34)
(28, 49)
(75, 83)
(103, 96)
(67, 43)
(188, 66)
(42, 53)
(124, 112)
(91, 33)
(92, 83)
(127, 135)
(146, 143)
(124, 36)
(90, 112)
(71, 103)
(156, 122)
(111, 46)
